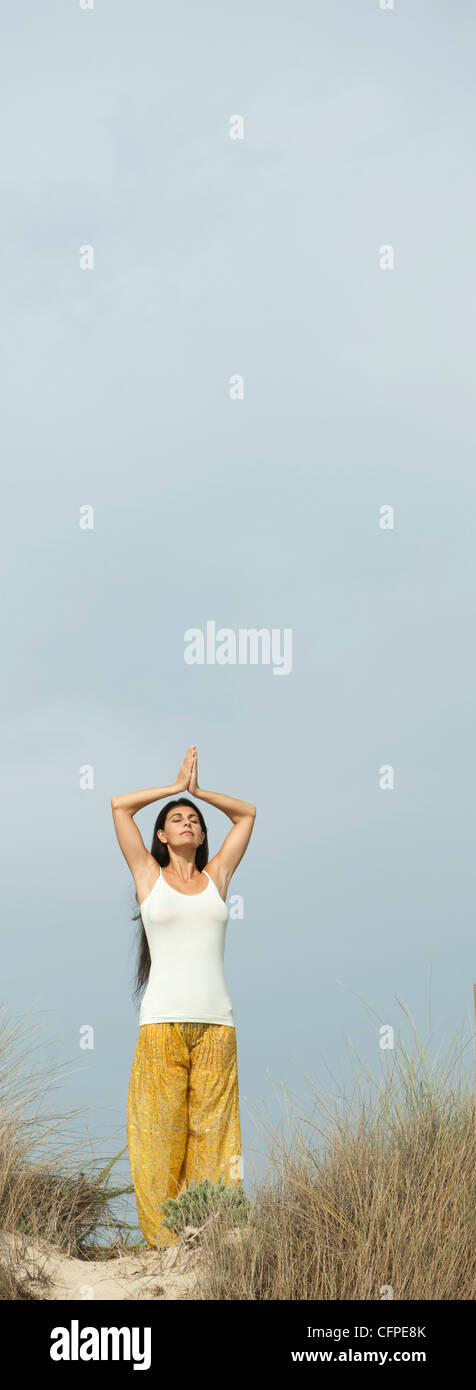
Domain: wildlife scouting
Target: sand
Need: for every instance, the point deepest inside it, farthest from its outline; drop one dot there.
(171, 1273)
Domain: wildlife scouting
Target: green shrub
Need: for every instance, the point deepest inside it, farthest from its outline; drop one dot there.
(199, 1200)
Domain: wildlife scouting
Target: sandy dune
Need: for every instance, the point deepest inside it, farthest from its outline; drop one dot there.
(154, 1274)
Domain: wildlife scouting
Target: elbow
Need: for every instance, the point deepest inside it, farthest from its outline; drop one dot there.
(114, 800)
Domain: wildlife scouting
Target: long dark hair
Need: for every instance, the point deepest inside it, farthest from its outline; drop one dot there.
(161, 854)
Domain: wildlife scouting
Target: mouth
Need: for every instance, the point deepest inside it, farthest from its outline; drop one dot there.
(187, 832)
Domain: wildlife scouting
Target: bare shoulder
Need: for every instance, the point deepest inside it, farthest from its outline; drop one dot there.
(219, 874)
(145, 876)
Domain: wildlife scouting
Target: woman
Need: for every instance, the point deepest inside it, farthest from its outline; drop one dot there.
(183, 1120)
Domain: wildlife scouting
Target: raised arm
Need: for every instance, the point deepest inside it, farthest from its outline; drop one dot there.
(124, 809)
(242, 813)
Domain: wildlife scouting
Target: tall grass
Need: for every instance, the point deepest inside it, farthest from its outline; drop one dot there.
(374, 1200)
(48, 1192)
(373, 1197)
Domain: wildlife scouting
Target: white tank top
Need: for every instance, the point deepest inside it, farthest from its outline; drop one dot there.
(186, 936)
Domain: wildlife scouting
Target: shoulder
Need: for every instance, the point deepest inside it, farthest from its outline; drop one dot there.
(219, 874)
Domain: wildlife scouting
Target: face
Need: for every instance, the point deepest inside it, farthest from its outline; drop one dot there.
(182, 827)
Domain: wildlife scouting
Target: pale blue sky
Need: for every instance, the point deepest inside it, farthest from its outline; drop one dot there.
(259, 257)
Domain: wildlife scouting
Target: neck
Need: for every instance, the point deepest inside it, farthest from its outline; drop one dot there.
(182, 865)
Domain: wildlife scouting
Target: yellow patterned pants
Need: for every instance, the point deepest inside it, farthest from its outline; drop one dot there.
(183, 1120)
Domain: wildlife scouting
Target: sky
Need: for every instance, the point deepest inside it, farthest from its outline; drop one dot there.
(256, 259)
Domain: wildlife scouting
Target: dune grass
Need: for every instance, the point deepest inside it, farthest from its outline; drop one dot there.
(47, 1191)
(368, 1198)
(374, 1198)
